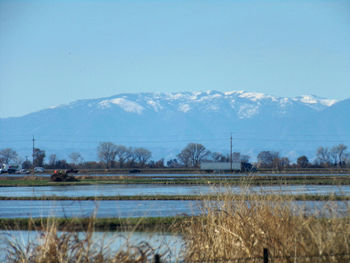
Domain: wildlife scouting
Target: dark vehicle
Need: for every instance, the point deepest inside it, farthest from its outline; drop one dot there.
(12, 169)
(247, 168)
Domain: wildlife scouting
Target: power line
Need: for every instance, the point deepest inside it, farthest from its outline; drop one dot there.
(177, 139)
(176, 134)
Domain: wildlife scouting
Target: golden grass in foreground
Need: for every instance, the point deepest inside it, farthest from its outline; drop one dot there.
(67, 246)
(235, 228)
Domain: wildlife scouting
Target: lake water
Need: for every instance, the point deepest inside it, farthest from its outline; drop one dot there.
(129, 208)
(162, 189)
(165, 244)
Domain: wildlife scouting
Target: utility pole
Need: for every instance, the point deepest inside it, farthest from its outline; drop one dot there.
(231, 151)
(33, 151)
(195, 156)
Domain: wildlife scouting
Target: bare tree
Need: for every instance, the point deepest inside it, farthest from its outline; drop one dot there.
(333, 156)
(52, 160)
(337, 152)
(302, 162)
(346, 159)
(76, 158)
(265, 159)
(142, 155)
(122, 155)
(219, 157)
(271, 159)
(8, 155)
(323, 156)
(130, 157)
(281, 162)
(172, 163)
(192, 154)
(39, 156)
(26, 164)
(106, 152)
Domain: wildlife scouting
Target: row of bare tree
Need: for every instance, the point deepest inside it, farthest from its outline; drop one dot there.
(122, 156)
(112, 155)
(10, 156)
(335, 156)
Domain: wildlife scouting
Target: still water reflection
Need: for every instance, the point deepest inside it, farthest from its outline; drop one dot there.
(132, 208)
(67, 208)
(154, 189)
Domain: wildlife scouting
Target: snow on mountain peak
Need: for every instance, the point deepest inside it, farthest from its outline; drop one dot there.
(228, 93)
(176, 96)
(184, 108)
(255, 96)
(314, 100)
(126, 105)
(328, 102)
(154, 104)
(308, 99)
(245, 104)
(207, 96)
(247, 111)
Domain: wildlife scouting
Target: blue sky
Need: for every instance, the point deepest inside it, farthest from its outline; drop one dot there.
(55, 52)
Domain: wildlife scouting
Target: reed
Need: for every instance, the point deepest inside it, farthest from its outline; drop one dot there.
(67, 246)
(241, 227)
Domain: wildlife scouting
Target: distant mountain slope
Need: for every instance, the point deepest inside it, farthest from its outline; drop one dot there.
(165, 123)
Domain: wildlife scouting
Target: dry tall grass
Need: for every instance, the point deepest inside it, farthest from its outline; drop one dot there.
(55, 246)
(231, 227)
(241, 227)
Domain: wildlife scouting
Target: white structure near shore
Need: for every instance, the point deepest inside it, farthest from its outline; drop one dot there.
(221, 166)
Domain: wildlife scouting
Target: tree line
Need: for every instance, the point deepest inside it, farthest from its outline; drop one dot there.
(111, 155)
(326, 157)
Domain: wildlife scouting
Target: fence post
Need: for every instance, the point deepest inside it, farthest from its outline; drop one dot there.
(156, 258)
(266, 255)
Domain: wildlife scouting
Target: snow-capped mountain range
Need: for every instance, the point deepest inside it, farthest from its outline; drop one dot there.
(166, 122)
(247, 103)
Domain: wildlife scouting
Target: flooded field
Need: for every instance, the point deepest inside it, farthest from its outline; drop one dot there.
(162, 189)
(67, 208)
(123, 209)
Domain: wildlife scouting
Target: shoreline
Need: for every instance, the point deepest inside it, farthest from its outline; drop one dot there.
(304, 197)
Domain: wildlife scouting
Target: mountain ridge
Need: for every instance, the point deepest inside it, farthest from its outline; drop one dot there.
(165, 122)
